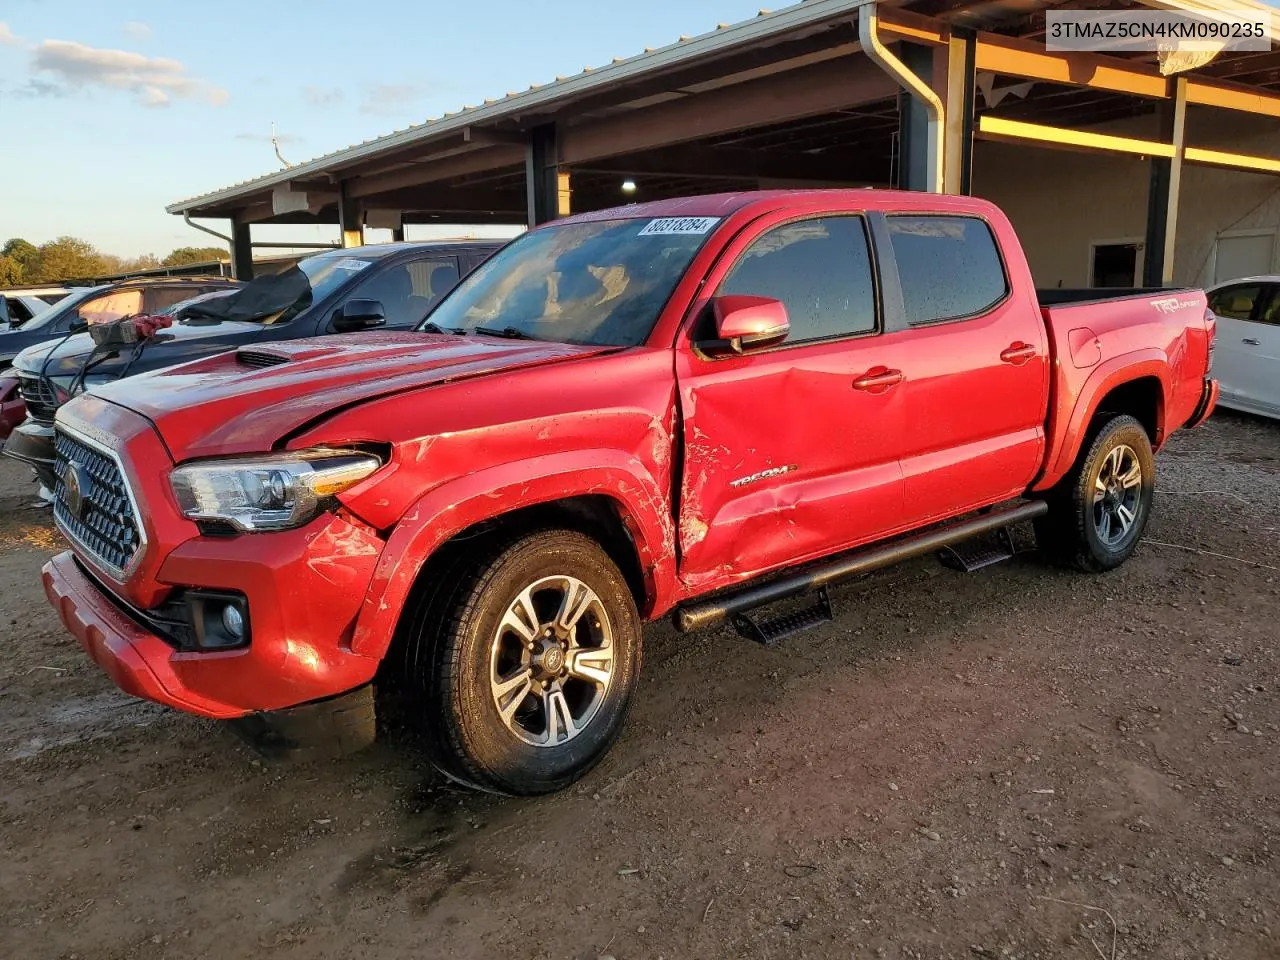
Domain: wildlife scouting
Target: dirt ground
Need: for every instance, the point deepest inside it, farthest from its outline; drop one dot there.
(1014, 763)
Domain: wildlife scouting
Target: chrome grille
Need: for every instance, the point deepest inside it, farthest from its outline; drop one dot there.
(39, 396)
(93, 507)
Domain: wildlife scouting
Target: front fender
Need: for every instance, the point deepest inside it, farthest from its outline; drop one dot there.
(1067, 435)
(488, 494)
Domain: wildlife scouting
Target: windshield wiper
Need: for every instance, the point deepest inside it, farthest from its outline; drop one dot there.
(436, 328)
(510, 333)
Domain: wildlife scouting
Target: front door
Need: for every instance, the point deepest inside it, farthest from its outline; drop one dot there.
(791, 452)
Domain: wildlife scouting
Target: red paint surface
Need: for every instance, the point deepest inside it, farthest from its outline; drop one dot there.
(12, 410)
(721, 469)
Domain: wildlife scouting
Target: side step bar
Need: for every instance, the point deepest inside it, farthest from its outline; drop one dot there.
(710, 612)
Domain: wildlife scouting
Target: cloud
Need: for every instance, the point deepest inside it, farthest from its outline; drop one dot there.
(322, 96)
(7, 36)
(387, 97)
(155, 80)
(35, 89)
(136, 30)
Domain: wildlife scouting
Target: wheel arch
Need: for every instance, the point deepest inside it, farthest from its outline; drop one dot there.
(1137, 386)
(622, 511)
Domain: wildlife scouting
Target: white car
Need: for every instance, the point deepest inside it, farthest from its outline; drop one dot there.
(1246, 355)
(19, 306)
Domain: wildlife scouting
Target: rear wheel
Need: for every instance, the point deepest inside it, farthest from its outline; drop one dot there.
(529, 678)
(1097, 514)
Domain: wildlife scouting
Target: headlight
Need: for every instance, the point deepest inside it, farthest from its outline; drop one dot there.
(276, 492)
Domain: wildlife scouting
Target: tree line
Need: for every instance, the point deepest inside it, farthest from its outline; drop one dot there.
(70, 258)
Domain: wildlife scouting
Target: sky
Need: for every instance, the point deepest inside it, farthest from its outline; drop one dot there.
(113, 110)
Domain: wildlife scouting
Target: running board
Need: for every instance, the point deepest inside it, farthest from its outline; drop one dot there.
(696, 616)
(770, 633)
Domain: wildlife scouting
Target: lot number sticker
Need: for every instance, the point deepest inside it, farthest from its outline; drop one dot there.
(352, 264)
(687, 226)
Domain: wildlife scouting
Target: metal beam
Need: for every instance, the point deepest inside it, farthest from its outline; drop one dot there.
(958, 162)
(548, 187)
(431, 171)
(350, 218)
(241, 251)
(1018, 58)
(1164, 192)
(997, 128)
(1233, 97)
(914, 167)
(710, 162)
(822, 88)
(1231, 161)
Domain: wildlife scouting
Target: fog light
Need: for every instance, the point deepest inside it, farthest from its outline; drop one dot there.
(233, 622)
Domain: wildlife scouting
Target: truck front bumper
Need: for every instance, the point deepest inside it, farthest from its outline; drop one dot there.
(32, 443)
(303, 591)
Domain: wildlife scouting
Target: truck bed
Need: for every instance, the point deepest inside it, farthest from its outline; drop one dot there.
(1056, 296)
(1099, 336)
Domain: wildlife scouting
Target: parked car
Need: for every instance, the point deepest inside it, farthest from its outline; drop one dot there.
(20, 305)
(1246, 357)
(103, 303)
(12, 409)
(696, 407)
(389, 285)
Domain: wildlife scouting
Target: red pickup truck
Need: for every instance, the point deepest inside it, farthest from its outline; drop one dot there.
(697, 407)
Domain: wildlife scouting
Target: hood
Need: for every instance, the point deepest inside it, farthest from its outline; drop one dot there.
(247, 401)
(172, 345)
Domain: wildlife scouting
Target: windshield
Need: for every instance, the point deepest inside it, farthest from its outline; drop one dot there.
(601, 283)
(279, 297)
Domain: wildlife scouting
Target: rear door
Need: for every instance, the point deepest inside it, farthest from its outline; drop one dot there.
(784, 458)
(976, 384)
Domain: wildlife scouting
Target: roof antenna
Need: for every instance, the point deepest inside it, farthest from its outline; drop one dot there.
(275, 144)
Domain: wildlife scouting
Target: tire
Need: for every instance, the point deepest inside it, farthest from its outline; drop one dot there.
(1097, 514)
(512, 708)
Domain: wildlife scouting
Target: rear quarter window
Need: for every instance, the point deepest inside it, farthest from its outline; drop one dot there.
(950, 267)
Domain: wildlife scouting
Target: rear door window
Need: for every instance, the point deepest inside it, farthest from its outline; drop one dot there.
(821, 271)
(112, 306)
(950, 267)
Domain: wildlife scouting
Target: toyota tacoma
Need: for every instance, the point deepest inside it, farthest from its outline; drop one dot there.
(696, 407)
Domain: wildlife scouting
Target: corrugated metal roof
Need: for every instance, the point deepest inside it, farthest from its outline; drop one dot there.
(724, 37)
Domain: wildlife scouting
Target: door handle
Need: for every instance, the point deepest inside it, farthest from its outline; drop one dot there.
(878, 379)
(1018, 353)
(1252, 342)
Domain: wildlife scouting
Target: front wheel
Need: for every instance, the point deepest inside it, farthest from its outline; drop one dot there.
(533, 669)
(1099, 511)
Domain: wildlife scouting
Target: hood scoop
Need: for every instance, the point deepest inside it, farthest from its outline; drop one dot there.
(259, 358)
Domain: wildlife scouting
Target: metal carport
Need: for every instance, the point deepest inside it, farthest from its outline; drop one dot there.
(824, 92)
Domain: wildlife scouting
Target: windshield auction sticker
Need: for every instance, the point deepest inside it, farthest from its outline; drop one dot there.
(351, 263)
(688, 226)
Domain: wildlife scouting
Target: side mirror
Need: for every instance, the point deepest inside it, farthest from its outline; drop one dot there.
(359, 315)
(79, 325)
(745, 324)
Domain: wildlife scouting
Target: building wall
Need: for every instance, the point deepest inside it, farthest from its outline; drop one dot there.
(1060, 201)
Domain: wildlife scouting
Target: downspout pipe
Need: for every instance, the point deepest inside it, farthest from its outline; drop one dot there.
(186, 217)
(887, 60)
